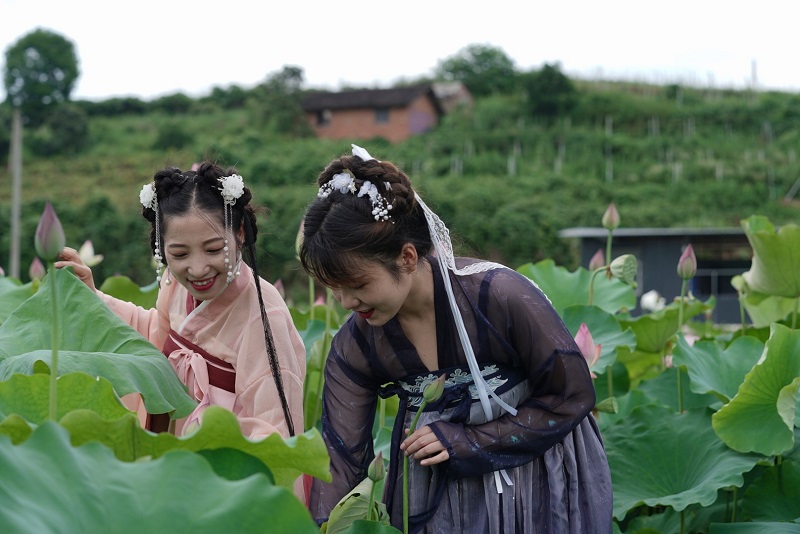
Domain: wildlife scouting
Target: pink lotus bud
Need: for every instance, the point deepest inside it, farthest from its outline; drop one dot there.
(36, 271)
(687, 265)
(586, 344)
(49, 239)
(610, 217)
(2, 272)
(376, 470)
(433, 391)
(597, 261)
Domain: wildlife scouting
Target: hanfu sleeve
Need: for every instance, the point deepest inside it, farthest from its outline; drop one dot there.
(531, 331)
(152, 323)
(348, 411)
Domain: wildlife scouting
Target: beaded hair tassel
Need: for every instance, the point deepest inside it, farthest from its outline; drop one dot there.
(232, 187)
(149, 199)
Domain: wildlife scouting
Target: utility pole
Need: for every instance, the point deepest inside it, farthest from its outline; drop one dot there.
(16, 186)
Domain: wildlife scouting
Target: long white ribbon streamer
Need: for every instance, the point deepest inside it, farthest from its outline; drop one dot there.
(440, 236)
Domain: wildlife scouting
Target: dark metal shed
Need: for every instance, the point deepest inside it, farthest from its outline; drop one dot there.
(722, 253)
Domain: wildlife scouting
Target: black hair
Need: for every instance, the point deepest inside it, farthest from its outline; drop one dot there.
(340, 230)
(180, 192)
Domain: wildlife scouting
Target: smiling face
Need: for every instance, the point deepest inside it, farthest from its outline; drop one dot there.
(194, 247)
(375, 292)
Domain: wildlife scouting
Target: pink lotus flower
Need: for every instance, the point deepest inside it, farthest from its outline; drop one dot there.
(2, 272)
(586, 344)
(687, 264)
(36, 271)
(49, 239)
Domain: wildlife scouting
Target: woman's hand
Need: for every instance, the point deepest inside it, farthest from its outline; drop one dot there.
(69, 258)
(424, 444)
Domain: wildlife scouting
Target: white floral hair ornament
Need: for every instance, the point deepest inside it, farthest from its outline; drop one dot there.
(149, 199)
(380, 208)
(232, 187)
(344, 182)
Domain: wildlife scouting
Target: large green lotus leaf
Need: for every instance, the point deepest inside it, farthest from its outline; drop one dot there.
(353, 507)
(661, 458)
(15, 427)
(90, 409)
(613, 381)
(604, 328)
(695, 520)
(12, 294)
(313, 331)
(761, 415)
(321, 313)
(664, 388)
(715, 369)
(565, 288)
(234, 464)
(286, 458)
(763, 309)
(640, 365)
(29, 396)
(316, 354)
(48, 485)
(654, 330)
(93, 340)
(754, 528)
(625, 405)
(776, 495)
(125, 289)
(775, 267)
(362, 526)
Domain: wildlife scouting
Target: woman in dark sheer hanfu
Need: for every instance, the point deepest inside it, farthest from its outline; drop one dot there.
(515, 449)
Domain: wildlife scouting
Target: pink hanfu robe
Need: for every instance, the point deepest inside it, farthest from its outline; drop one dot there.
(229, 329)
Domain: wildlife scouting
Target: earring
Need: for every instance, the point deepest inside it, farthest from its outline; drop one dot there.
(167, 280)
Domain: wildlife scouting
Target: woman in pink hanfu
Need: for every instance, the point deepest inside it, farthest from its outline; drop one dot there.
(226, 331)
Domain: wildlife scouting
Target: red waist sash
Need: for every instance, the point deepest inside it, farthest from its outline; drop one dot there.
(221, 374)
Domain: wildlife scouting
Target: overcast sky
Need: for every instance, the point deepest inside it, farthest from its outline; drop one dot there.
(150, 48)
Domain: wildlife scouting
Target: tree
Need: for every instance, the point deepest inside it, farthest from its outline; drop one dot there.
(280, 98)
(484, 69)
(550, 93)
(64, 131)
(40, 73)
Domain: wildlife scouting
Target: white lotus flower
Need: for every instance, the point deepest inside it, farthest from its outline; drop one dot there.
(652, 301)
(87, 254)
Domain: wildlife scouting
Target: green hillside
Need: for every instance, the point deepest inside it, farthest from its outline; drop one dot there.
(504, 179)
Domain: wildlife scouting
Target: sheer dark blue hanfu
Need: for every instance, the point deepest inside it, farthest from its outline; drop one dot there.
(551, 450)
